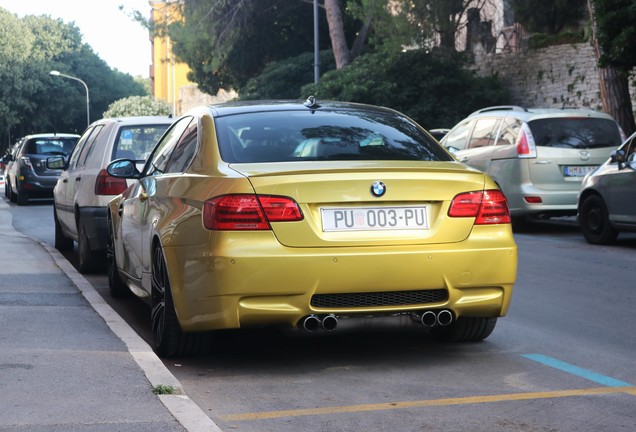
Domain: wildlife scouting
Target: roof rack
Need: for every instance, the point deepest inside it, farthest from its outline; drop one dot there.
(500, 108)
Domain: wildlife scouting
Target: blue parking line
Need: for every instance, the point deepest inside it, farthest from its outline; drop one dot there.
(575, 370)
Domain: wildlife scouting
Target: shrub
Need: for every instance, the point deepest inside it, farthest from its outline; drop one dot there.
(137, 106)
(436, 90)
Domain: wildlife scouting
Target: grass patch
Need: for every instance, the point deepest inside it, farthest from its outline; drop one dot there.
(164, 390)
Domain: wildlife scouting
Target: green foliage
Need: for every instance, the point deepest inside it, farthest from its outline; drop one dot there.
(162, 389)
(33, 101)
(435, 90)
(137, 106)
(549, 17)
(284, 79)
(616, 23)
(225, 43)
(542, 40)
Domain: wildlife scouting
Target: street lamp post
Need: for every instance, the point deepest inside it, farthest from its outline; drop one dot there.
(88, 115)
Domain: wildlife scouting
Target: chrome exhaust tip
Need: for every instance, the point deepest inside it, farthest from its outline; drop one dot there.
(311, 323)
(444, 317)
(329, 323)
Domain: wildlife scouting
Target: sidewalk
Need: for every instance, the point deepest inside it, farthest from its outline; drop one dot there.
(68, 362)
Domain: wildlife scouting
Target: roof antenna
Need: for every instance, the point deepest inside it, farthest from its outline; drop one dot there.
(311, 102)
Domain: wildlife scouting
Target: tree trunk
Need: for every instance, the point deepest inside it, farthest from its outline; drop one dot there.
(614, 85)
(337, 34)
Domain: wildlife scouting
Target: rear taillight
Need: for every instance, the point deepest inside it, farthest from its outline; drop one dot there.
(248, 212)
(487, 207)
(526, 147)
(109, 185)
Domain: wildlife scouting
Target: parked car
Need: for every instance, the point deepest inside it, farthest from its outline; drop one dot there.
(84, 188)
(438, 133)
(27, 174)
(538, 157)
(607, 202)
(301, 215)
(8, 161)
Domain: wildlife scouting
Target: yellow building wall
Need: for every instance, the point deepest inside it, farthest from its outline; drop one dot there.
(167, 75)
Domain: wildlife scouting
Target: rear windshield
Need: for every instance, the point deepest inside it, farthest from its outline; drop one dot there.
(136, 142)
(324, 135)
(50, 146)
(577, 133)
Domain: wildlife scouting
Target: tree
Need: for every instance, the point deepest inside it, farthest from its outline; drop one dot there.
(614, 41)
(138, 106)
(33, 101)
(548, 17)
(17, 86)
(227, 42)
(337, 34)
(436, 23)
(435, 89)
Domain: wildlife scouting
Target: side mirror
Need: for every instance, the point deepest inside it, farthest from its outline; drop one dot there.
(123, 168)
(617, 156)
(56, 163)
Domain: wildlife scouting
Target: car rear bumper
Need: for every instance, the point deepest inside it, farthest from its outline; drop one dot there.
(34, 185)
(249, 282)
(562, 202)
(94, 220)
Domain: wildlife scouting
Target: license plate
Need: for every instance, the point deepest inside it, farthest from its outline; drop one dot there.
(374, 218)
(578, 170)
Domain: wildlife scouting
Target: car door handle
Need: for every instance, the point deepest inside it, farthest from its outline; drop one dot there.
(77, 179)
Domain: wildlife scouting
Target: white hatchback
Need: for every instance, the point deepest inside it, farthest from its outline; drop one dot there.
(85, 188)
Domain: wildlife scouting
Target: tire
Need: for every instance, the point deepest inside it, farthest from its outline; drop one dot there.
(118, 289)
(465, 329)
(13, 197)
(89, 261)
(62, 243)
(168, 340)
(594, 221)
(22, 198)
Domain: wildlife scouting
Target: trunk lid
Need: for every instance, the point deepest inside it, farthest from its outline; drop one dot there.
(340, 209)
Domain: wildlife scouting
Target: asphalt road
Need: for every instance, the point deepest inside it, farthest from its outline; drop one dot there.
(564, 359)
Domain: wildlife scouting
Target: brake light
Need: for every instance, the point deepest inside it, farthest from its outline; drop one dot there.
(248, 212)
(106, 184)
(487, 207)
(526, 147)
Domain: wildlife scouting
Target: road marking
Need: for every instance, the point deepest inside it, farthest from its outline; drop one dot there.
(429, 403)
(575, 370)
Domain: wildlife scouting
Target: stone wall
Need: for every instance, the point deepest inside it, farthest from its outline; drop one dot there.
(556, 76)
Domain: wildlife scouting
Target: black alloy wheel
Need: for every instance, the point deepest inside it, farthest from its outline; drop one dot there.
(167, 337)
(594, 221)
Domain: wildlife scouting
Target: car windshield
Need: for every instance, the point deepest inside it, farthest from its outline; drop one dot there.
(50, 146)
(324, 135)
(577, 133)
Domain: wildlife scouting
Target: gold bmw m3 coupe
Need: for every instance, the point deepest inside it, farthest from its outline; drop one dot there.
(304, 215)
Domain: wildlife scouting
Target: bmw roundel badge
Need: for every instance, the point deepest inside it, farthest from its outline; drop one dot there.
(378, 189)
